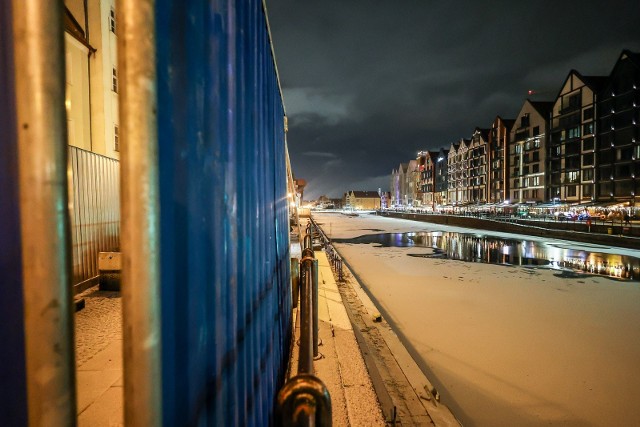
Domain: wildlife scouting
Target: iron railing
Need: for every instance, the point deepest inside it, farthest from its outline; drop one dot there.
(304, 400)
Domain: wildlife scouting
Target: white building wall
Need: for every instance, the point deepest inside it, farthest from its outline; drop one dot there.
(104, 101)
(77, 93)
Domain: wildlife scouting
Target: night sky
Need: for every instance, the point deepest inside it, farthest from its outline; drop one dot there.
(368, 84)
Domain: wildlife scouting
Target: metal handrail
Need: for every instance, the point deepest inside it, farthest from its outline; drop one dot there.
(334, 258)
(304, 400)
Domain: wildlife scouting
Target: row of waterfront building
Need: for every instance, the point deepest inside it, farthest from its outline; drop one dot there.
(582, 148)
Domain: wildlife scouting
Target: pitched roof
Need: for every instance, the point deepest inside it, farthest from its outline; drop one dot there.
(542, 107)
(484, 133)
(365, 194)
(595, 82)
(626, 54)
(508, 123)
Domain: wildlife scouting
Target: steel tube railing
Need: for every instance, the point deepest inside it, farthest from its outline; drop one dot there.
(305, 362)
(44, 218)
(304, 400)
(316, 334)
(140, 220)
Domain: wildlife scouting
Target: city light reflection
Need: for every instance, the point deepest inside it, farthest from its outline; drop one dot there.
(493, 250)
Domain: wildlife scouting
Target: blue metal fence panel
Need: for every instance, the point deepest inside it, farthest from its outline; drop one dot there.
(13, 392)
(224, 215)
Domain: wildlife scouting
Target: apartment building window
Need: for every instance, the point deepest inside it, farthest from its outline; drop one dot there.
(627, 153)
(587, 144)
(574, 132)
(536, 131)
(572, 148)
(587, 174)
(116, 138)
(572, 163)
(570, 120)
(112, 21)
(535, 181)
(536, 168)
(587, 159)
(574, 101)
(522, 135)
(606, 156)
(623, 171)
(114, 80)
(572, 190)
(587, 129)
(536, 156)
(587, 114)
(525, 194)
(536, 143)
(524, 120)
(527, 145)
(573, 176)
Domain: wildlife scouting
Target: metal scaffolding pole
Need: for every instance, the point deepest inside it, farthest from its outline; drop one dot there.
(140, 213)
(44, 217)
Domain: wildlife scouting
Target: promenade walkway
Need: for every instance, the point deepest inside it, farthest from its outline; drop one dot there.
(356, 385)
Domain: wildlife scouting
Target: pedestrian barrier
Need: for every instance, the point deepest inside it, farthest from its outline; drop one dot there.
(304, 399)
(334, 258)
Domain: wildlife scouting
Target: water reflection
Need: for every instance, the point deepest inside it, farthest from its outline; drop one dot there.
(493, 250)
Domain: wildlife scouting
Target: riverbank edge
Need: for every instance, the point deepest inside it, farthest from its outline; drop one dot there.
(560, 230)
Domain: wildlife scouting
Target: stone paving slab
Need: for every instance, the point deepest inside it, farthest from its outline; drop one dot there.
(342, 368)
(99, 382)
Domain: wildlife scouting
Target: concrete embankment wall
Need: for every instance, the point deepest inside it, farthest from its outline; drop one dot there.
(576, 231)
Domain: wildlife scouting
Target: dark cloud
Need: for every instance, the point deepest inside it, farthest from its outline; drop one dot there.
(367, 84)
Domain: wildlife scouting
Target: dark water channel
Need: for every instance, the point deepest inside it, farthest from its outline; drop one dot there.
(494, 250)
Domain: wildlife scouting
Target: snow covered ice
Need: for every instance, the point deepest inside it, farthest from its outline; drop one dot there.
(506, 345)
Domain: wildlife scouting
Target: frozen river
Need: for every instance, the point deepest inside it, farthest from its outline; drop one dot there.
(505, 344)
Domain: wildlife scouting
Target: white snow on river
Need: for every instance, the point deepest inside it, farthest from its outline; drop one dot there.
(506, 345)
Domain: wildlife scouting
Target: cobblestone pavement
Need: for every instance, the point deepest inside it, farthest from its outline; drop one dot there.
(98, 324)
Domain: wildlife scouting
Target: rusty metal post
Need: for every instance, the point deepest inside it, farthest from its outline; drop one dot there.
(308, 241)
(44, 216)
(295, 281)
(304, 401)
(316, 335)
(140, 214)
(305, 363)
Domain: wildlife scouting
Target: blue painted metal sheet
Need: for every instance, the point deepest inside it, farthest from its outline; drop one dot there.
(13, 393)
(225, 290)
